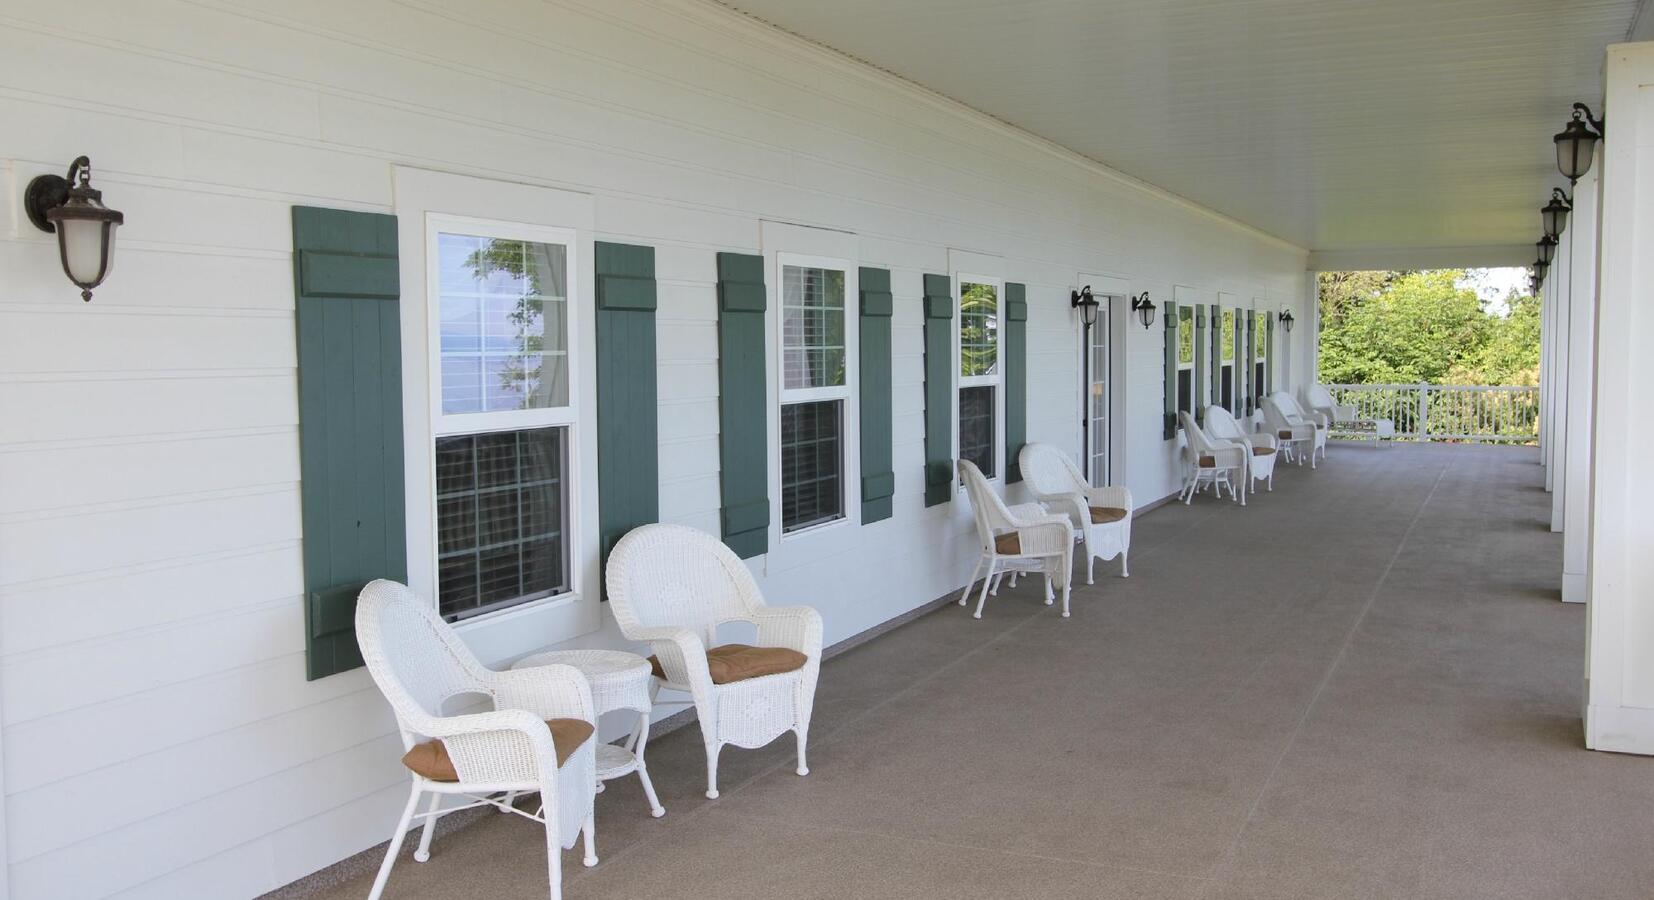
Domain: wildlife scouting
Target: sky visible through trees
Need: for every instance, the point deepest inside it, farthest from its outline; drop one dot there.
(1439, 326)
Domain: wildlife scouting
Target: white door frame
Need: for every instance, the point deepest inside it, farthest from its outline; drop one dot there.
(1114, 293)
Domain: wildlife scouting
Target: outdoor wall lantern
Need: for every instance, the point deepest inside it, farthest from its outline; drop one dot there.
(1554, 215)
(1144, 307)
(1575, 142)
(85, 228)
(1083, 301)
(1547, 249)
(1286, 320)
(1539, 271)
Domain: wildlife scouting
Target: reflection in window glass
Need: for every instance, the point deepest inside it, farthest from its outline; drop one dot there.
(1185, 336)
(1226, 337)
(812, 327)
(503, 324)
(812, 464)
(978, 330)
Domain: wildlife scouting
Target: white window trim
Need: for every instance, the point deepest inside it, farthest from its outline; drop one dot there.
(996, 380)
(848, 394)
(427, 202)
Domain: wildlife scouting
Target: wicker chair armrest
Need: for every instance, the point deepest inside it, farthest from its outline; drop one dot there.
(680, 651)
(549, 692)
(1262, 440)
(1117, 496)
(794, 627)
(1049, 535)
(506, 746)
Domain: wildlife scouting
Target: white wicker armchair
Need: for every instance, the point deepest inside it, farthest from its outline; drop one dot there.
(1023, 538)
(1288, 411)
(672, 586)
(1319, 400)
(1101, 515)
(1261, 448)
(1216, 463)
(1297, 436)
(420, 665)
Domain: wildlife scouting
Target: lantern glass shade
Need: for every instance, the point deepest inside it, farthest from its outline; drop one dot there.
(1088, 311)
(88, 249)
(1554, 216)
(1547, 249)
(1575, 145)
(1145, 310)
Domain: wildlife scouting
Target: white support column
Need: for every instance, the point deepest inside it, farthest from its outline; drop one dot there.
(1576, 472)
(1547, 389)
(1619, 671)
(1561, 286)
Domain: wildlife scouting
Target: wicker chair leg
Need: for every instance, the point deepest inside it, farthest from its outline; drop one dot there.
(712, 748)
(803, 739)
(971, 582)
(1124, 571)
(396, 845)
(590, 831)
(983, 599)
(554, 856)
(423, 854)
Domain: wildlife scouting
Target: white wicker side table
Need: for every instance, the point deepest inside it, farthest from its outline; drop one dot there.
(620, 681)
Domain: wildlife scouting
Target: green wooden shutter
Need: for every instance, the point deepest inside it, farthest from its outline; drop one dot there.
(1169, 373)
(939, 477)
(628, 440)
(1269, 352)
(1016, 377)
(350, 421)
(1250, 360)
(742, 413)
(1199, 410)
(878, 479)
(1217, 355)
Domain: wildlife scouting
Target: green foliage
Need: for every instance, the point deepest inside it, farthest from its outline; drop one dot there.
(1410, 327)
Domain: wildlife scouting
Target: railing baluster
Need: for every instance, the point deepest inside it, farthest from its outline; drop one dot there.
(1506, 413)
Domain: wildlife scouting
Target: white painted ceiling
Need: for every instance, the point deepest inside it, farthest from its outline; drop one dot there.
(1335, 124)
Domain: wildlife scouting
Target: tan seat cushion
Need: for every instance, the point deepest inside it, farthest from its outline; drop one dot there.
(1262, 451)
(1102, 515)
(1008, 544)
(1285, 435)
(430, 759)
(738, 662)
(1207, 462)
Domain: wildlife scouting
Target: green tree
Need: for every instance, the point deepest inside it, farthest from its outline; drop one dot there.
(1418, 327)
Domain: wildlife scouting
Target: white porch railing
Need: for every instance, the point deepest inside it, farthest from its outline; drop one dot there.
(1448, 412)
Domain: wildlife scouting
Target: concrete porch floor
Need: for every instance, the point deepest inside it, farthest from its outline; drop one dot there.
(1362, 685)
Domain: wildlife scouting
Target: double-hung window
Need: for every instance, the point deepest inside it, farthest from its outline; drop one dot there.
(1227, 337)
(815, 392)
(979, 373)
(1185, 359)
(503, 418)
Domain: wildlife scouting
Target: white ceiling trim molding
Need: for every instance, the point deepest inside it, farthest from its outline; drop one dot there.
(1406, 258)
(744, 25)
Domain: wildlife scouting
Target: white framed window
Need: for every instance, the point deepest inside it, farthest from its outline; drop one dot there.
(1186, 386)
(1228, 341)
(979, 398)
(1260, 355)
(816, 382)
(499, 299)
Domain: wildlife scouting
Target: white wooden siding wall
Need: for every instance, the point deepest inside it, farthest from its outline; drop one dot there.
(159, 738)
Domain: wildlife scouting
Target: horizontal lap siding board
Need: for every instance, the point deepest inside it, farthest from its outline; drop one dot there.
(742, 433)
(628, 443)
(350, 421)
(1169, 376)
(1016, 377)
(878, 480)
(939, 474)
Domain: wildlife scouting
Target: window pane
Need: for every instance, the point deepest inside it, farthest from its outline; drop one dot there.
(1226, 340)
(976, 427)
(503, 324)
(1261, 335)
(812, 462)
(978, 329)
(500, 520)
(1185, 390)
(1185, 336)
(812, 327)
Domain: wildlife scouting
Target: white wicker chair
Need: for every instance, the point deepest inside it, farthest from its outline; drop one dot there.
(1297, 437)
(1319, 400)
(1295, 415)
(1023, 538)
(1216, 463)
(420, 665)
(1058, 483)
(672, 586)
(1261, 448)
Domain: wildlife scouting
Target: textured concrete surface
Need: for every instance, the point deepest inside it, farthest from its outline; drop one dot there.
(1362, 685)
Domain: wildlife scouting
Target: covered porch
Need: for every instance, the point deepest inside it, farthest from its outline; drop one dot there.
(1359, 686)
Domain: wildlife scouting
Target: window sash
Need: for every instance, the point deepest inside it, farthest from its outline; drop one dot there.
(837, 475)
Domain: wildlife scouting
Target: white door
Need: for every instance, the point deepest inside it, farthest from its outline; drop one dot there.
(1094, 421)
